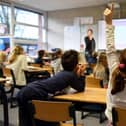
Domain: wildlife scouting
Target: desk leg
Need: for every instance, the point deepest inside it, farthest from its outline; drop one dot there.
(5, 106)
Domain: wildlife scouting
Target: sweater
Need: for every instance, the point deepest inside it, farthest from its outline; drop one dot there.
(18, 66)
(58, 83)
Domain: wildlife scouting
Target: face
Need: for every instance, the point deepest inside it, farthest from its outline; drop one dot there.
(89, 33)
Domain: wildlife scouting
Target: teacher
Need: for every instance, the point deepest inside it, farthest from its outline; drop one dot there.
(89, 46)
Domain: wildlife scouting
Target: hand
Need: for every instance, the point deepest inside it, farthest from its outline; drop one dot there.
(108, 13)
(80, 69)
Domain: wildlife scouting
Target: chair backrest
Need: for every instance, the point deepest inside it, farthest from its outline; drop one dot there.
(7, 72)
(53, 111)
(91, 81)
(119, 116)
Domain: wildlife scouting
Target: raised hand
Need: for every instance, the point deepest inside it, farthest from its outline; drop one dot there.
(108, 13)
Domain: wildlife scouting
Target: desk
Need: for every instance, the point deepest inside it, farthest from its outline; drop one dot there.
(36, 73)
(5, 102)
(37, 69)
(90, 95)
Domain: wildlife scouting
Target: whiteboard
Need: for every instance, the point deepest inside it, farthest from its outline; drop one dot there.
(72, 37)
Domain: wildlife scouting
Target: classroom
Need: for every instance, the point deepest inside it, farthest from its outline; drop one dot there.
(62, 62)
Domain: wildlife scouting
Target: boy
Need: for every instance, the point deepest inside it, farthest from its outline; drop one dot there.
(72, 75)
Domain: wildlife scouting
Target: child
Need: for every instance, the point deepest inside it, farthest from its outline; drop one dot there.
(101, 71)
(18, 62)
(72, 75)
(56, 63)
(116, 92)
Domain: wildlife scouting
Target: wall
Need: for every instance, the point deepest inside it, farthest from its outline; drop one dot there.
(57, 20)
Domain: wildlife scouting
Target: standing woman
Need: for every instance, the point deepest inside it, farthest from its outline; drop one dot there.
(89, 46)
(116, 92)
(18, 62)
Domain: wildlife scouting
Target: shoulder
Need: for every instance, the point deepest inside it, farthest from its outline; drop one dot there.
(66, 74)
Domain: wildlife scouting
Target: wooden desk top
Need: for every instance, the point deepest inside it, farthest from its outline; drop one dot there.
(37, 69)
(90, 95)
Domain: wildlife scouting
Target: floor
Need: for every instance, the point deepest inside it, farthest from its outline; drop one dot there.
(13, 118)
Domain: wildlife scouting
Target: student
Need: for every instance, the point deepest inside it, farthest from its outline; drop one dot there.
(72, 75)
(18, 62)
(116, 92)
(39, 59)
(2, 60)
(101, 71)
(56, 63)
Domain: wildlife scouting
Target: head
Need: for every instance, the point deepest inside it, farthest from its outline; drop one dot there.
(18, 50)
(70, 60)
(41, 53)
(59, 53)
(119, 74)
(102, 59)
(2, 57)
(90, 32)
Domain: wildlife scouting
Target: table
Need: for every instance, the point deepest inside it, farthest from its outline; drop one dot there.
(37, 69)
(5, 102)
(36, 73)
(90, 95)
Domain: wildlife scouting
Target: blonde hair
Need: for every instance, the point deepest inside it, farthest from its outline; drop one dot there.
(2, 56)
(18, 50)
(100, 68)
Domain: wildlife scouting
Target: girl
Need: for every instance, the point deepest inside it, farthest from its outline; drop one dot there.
(116, 91)
(101, 69)
(18, 62)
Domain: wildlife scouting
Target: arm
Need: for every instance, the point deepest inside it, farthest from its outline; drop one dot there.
(24, 62)
(78, 81)
(110, 42)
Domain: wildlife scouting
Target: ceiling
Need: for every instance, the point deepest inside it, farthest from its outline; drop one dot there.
(51, 5)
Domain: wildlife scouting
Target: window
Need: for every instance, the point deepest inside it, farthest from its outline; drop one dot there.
(26, 32)
(26, 26)
(26, 17)
(4, 20)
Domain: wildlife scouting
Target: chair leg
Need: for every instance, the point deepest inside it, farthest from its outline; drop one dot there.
(11, 98)
(102, 117)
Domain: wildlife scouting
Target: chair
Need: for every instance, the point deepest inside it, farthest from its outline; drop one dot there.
(36, 75)
(91, 81)
(52, 111)
(118, 115)
(7, 72)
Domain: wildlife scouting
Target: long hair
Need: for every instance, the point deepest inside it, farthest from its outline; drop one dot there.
(2, 56)
(119, 75)
(18, 50)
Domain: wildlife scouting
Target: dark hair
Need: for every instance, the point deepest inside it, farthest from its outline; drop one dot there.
(90, 30)
(119, 75)
(41, 53)
(69, 60)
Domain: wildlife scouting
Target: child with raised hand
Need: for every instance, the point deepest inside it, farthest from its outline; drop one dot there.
(116, 91)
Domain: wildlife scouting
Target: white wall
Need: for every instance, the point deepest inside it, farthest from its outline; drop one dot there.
(58, 20)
